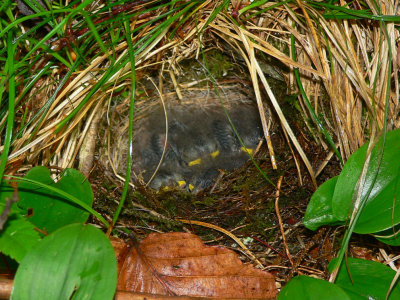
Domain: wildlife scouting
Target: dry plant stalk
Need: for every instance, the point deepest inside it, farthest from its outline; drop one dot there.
(345, 59)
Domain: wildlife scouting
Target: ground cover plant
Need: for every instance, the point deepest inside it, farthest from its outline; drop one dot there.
(71, 69)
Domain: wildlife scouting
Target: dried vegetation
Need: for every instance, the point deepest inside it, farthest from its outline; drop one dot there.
(350, 61)
(73, 75)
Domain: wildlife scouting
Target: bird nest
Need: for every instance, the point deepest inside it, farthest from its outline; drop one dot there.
(184, 138)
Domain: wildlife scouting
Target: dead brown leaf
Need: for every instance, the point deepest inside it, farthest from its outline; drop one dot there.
(363, 253)
(178, 264)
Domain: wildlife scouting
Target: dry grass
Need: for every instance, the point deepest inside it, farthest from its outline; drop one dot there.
(350, 61)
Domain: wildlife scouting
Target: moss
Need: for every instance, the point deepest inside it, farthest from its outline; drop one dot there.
(169, 205)
(207, 201)
(219, 64)
(108, 186)
(143, 219)
(249, 182)
(140, 198)
(257, 222)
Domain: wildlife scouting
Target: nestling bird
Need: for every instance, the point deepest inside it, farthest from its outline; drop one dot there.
(199, 143)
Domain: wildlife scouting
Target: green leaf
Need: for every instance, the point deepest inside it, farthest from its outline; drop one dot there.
(6, 191)
(50, 211)
(390, 241)
(382, 209)
(319, 210)
(18, 234)
(18, 237)
(390, 236)
(308, 288)
(75, 260)
(10, 72)
(370, 279)
(346, 183)
(9, 264)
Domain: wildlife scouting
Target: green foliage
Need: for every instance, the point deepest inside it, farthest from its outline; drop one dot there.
(308, 288)
(42, 208)
(338, 12)
(369, 280)
(76, 260)
(18, 234)
(332, 203)
(319, 210)
(317, 120)
(47, 209)
(382, 210)
(18, 237)
(389, 236)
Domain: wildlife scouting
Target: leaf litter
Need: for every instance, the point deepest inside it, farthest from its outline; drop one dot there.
(179, 263)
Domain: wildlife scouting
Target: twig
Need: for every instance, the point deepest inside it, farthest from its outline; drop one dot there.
(305, 251)
(278, 187)
(268, 246)
(224, 231)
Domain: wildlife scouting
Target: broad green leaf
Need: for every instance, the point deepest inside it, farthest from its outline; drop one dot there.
(308, 288)
(382, 209)
(319, 210)
(369, 279)
(390, 236)
(47, 209)
(6, 191)
(346, 182)
(76, 260)
(17, 237)
(390, 241)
